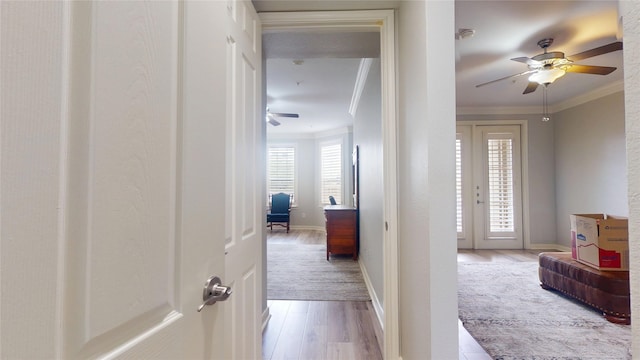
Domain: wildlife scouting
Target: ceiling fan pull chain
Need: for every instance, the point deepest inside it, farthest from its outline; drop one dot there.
(545, 105)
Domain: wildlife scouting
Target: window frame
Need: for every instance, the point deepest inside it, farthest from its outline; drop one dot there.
(324, 200)
(294, 146)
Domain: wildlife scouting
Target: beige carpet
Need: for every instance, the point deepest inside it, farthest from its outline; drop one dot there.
(301, 272)
(504, 308)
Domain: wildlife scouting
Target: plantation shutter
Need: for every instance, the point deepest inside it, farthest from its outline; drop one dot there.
(459, 213)
(331, 173)
(281, 171)
(501, 185)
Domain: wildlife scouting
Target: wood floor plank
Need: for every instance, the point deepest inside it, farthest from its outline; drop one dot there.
(473, 256)
(519, 256)
(341, 351)
(365, 340)
(307, 237)
(466, 255)
(290, 340)
(278, 311)
(377, 326)
(314, 342)
(338, 322)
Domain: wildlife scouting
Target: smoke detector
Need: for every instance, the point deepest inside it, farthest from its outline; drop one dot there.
(464, 33)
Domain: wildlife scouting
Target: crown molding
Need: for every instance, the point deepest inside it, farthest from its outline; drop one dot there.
(498, 110)
(310, 135)
(361, 80)
(598, 93)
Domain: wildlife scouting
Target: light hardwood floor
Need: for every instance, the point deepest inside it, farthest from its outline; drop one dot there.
(319, 329)
(307, 330)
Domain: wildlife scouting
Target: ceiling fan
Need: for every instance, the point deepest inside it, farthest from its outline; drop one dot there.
(271, 117)
(547, 67)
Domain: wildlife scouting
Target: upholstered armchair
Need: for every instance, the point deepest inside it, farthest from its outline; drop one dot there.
(280, 210)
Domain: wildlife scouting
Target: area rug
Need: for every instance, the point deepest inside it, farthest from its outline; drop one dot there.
(504, 308)
(301, 272)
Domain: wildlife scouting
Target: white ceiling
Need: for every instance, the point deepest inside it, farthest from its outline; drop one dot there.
(503, 30)
(319, 88)
(319, 91)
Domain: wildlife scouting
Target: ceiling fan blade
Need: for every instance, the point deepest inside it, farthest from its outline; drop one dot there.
(507, 77)
(588, 69)
(597, 51)
(528, 61)
(273, 121)
(286, 115)
(531, 87)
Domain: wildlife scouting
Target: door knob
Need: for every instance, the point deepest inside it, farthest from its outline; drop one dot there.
(214, 291)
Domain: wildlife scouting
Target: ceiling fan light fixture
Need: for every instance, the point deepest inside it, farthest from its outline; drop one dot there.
(547, 76)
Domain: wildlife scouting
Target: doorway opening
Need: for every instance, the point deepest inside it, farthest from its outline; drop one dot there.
(380, 23)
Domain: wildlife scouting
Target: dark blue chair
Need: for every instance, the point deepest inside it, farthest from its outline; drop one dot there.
(280, 210)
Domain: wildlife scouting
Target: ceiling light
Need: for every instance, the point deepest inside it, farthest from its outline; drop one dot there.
(543, 77)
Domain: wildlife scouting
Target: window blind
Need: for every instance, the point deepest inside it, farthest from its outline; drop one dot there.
(281, 171)
(459, 185)
(501, 187)
(331, 173)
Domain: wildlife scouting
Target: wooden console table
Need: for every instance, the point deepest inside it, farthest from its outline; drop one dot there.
(342, 230)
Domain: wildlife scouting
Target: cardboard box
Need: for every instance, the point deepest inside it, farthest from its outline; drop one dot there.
(600, 241)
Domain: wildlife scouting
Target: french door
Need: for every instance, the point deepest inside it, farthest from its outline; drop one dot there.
(489, 187)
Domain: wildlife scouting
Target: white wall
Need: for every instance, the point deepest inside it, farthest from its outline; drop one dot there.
(428, 303)
(631, 16)
(367, 134)
(541, 174)
(591, 170)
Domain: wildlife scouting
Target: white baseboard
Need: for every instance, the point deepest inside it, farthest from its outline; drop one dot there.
(266, 316)
(374, 297)
(549, 246)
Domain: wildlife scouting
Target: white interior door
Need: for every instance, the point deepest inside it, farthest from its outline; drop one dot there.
(490, 210)
(244, 202)
(145, 158)
(117, 215)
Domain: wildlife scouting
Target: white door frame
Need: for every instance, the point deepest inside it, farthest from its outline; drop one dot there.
(524, 144)
(382, 21)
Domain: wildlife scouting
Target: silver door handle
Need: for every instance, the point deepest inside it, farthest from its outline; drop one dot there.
(479, 202)
(214, 291)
